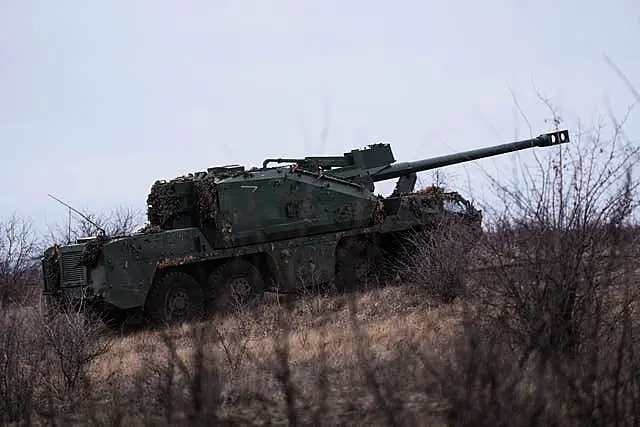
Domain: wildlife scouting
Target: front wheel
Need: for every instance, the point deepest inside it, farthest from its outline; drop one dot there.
(175, 297)
(234, 285)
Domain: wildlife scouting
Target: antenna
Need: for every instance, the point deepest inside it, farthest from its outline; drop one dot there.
(80, 213)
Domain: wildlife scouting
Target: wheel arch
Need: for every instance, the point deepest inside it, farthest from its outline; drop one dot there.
(200, 270)
(155, 308)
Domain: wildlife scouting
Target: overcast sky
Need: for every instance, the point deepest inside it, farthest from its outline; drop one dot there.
(99, 99)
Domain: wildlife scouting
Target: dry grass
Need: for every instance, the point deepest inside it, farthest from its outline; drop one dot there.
(298, 362)
(545, 332)
(390, 356)
(243, 347)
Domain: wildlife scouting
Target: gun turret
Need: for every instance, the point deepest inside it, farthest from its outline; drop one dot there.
(376, 162)
(398, 170)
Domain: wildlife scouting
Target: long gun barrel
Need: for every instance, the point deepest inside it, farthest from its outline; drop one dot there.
(398, 170)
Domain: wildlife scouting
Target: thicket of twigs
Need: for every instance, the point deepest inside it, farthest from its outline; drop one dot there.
(550, 331)
(542, 330)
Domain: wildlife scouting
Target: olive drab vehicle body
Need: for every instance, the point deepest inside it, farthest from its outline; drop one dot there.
(220, 236)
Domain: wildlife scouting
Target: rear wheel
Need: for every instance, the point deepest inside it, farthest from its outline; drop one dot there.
(175, 297)
(234, 285)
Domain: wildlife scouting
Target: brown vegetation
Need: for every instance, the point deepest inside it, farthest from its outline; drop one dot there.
(18, 251)
(246, 368)
(542, 330)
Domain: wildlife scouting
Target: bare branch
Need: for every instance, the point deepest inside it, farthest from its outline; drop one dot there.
(18, 266)
(623, 77)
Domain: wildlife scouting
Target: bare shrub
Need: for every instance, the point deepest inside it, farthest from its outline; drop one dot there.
(436, 259)
(600, 386)
(235, 340)
(553, 335)
(44, 361)
(21, 354)
(18, 264)
(484, 384)
(76, 339)
(119, 221)
(487, 380)
(386, 401)
(562, 239)
(283, 371)
(183, 386)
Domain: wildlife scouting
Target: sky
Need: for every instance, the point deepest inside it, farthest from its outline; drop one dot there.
(100, 99)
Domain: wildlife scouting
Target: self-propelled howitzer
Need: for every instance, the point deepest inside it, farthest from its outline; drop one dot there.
(228, 233)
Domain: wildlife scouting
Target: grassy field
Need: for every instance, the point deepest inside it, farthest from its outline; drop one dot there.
(535, 324)
(395, 355)
(356, 359)
(335, 367)
(549, 341)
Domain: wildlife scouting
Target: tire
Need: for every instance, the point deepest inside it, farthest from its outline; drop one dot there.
(174, 298)
(233, 285)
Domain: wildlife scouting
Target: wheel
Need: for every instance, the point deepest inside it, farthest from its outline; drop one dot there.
(233, 285)
(175, 297)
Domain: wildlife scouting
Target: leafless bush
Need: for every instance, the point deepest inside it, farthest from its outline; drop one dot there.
(180, 386)
(484, 384)
(386, 402)
(119, 221)
(43, 361)
(562, 242)
(235, 342)
(437, 258)
(283, 371)
(76, 339)
(18, 267)
(21, 354)
(487, 380)
(553, 336)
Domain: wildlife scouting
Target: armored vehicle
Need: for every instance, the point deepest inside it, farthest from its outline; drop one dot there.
(219, 237)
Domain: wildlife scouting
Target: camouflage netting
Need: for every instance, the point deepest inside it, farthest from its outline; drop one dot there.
(92, 251)
(51, 266)
(378, 213)
(149, 228)
(161, 204)
(432, 197)
(206, 196)
(432, 191)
